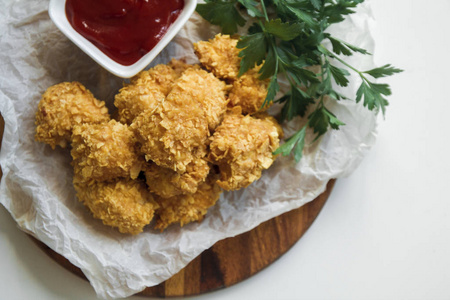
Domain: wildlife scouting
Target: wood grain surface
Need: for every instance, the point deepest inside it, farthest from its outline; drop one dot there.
(232, 260)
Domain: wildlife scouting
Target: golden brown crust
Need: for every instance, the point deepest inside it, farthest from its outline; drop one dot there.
(177, 132)
(122, 203)
(249, 92)
(209, 91)
(187, 208)
(167, 183)
(145, 91)
(148, 89)
(172, 110)
(265, 116)
(61, 107)
(242, 147)
(135, 98)
(105, 151)
(220, 56)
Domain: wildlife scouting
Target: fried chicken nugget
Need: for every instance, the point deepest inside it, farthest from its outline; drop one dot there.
(105, 151)
(167, 183)
(209, 91)
(220, 56)
(187, 208)
(122, 203)
(249, 92)
(61, 107)
(176, 133)
(147, 90)
(242, 147)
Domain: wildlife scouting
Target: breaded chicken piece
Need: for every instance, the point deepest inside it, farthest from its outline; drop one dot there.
(209, 91)
(136, 97)
(220, 56)
(148, 89)
(122, 203)
(187, 208)
(61, 107)
(167, 183)
(265, 116)
(176, 133)
(242, 147)
(249, 92)
(105, 151)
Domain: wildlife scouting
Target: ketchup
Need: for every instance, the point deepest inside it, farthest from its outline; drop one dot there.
(125, 30)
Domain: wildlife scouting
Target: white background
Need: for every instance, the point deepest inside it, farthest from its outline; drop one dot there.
(384, 232)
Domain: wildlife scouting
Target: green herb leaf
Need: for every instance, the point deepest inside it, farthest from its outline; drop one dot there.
(341, 47)
(319, 122)
(316, 3)
(273, 89)
(270, 65)
(288, 9)
(302, 76)
(332, 120)
(252, 7)
(384, 71)
(253, 51)
(339, 75)
(335, 13)
(223, 14)
(372, 95)
(320, 119)
(297, 141)
(297, 103)
(284, 31)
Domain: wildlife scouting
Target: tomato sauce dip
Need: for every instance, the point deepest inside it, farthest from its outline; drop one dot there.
(125, 30)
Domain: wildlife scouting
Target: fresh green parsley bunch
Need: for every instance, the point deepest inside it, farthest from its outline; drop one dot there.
(288, 36)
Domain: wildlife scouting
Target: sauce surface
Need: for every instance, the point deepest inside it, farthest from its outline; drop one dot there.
(125, 30)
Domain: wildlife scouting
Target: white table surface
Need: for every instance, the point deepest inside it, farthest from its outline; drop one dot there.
(384, 232)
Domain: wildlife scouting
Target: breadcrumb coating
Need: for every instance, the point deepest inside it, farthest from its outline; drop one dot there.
(265, 116)
(249, 92)
(167, 183)
(220, 56)
(209, 91)
(177, 132)
(61, 107)
(122, 203)
(172, 124)
(187, 208)
(242, 147)
(105, 151)
(136, 97)
(148, 89)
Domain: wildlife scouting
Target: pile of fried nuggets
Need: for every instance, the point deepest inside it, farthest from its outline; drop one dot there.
(192, 132)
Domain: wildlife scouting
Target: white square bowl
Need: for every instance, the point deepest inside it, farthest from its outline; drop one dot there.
(57, 13)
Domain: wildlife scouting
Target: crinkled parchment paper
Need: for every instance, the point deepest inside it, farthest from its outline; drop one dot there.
(36, 187)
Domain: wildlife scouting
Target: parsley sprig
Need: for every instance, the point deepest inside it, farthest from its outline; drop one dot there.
(287, 37)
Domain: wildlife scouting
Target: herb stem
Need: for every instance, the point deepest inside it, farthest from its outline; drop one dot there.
(264, 10)
(330, 54)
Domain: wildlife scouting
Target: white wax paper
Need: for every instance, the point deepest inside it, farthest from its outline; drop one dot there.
(36, 187)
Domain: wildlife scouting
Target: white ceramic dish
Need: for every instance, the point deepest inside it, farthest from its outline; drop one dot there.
(58, 15)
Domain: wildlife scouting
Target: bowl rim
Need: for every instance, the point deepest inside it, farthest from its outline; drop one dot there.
(57, 14)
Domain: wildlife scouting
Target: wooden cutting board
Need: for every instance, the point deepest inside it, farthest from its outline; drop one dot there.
(229, 261)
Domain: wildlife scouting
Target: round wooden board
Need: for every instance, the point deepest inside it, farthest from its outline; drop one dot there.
(232, 260)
